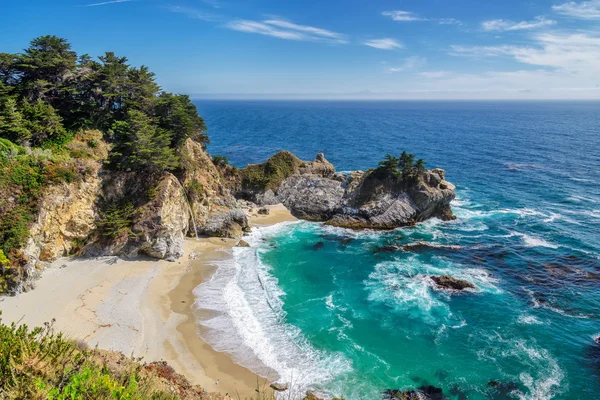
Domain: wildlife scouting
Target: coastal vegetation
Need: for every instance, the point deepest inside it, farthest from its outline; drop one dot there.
(404, 167)
(58, 110)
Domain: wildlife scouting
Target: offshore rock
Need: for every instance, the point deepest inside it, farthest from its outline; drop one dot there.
(374, 199)
(450, 283)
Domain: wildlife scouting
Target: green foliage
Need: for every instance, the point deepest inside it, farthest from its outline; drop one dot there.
(220, 161)
(403, 167)
(177, 114)
(42, 122)
(390, 164)
(12, 123)
(194, 190)
(142, 145)
(116, 219)
(40, 364)
(270, 174)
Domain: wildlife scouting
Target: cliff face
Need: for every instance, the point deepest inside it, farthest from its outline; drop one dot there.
(375, 199)
(165, 208)
(215, 210)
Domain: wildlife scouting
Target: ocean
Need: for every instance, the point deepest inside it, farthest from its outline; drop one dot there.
(346, 319)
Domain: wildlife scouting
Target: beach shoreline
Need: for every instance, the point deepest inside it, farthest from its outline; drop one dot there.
(141, 307)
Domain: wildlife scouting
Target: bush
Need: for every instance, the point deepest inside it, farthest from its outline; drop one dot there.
(220, 161)
(270, 174)
(116, 219)
(39, 364)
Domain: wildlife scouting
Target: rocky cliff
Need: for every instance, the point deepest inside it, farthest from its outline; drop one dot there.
(128, 213)
(374, 199)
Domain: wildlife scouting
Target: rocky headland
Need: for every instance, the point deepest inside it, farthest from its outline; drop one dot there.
(375, 199)
(127, 213)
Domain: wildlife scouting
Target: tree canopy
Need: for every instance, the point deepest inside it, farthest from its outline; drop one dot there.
(47, 92)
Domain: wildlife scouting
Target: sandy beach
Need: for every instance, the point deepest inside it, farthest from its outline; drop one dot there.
(142, 307)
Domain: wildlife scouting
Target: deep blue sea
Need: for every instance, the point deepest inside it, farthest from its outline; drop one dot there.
(347, 319)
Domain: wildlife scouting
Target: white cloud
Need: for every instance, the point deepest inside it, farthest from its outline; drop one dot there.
(194, 13)
(433, 74)
(308, 29)
(106, 2)
(286, 30)
(583, 10)
(573, 53)
(449, 21)
(408, 16)
(410, 63)
(504, 25)
(402, 16)
(384, 44)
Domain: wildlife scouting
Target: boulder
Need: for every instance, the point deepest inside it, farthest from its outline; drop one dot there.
(278, 387)
(242, 243)
(263, 211)
(449, 283)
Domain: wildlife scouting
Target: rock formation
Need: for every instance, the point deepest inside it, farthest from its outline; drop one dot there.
(374, 199)
(449, 283)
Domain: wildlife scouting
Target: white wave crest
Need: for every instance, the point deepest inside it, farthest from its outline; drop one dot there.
(246, 319)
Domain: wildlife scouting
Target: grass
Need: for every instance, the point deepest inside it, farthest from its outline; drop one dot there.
(270, 174)
(41, 364)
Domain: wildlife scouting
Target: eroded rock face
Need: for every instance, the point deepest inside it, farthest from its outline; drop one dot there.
(215, 210)
(377, 200)
(67, 216)
(164, 221)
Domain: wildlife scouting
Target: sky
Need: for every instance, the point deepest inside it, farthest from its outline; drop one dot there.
(334, 49)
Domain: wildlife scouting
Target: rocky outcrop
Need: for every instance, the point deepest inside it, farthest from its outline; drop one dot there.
(216, 211)
(449, 283)
(66, 217)
(375, 199)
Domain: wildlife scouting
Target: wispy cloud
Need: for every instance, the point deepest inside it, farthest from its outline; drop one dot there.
(583, 10)
(402, 16)
(449, 21)
(505, 25)
(286, 30)
(574, 53)
(409, 64)
(433, 74)
(409, 16)
(194, 13)
(384, 44)
(106, 3)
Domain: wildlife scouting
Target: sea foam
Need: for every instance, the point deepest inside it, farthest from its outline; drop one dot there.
(246, 319)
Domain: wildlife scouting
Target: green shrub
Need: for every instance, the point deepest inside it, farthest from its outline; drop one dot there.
(270, 174)
(220, 161)
(194, 190)
(116, 219)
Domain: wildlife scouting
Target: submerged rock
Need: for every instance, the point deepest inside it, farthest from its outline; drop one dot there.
(422, 393)
(318, 246)
(449, 283)
(420, 246)
(311, 396)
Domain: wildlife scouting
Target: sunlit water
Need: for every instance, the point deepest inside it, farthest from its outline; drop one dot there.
(346, 318)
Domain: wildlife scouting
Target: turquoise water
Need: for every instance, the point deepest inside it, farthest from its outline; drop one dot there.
(346, 317)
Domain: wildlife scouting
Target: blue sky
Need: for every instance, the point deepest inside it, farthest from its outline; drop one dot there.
(419, 49)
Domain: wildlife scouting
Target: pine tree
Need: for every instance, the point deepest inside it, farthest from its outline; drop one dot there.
(12, 124)
(42, 122)
(141, 145)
